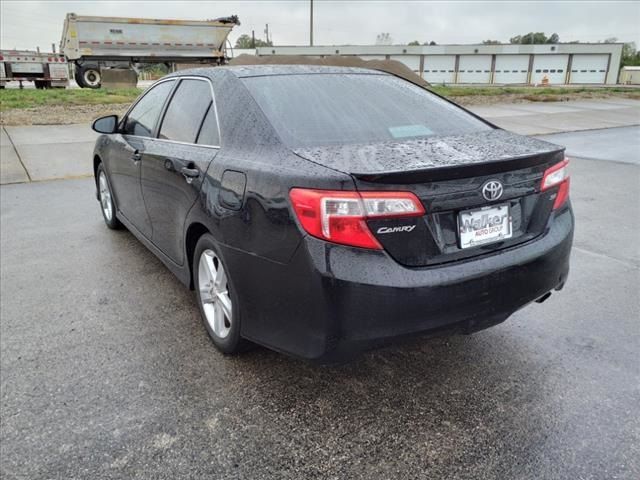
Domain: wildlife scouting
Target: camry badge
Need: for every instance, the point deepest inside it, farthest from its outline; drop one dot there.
(492, 190)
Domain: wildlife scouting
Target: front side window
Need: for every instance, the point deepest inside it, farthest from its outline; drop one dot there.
(335, 109)
(143, 117)
(186, 111)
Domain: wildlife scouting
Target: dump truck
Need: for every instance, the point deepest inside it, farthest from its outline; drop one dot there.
(45, 70)
(94, 44)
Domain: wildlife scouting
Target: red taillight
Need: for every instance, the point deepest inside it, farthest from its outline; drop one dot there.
(340, 216)
(558, 175)
(49, 59)
(1, 58)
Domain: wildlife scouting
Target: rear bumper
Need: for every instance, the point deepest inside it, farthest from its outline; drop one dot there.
(332, 302)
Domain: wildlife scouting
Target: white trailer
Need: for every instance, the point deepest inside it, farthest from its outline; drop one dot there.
(93, 44)
(45, 70)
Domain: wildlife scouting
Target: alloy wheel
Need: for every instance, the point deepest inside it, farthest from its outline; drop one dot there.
(105, 197)
(214, 294)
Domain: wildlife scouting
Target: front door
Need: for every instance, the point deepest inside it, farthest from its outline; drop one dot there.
(124, 162)
(124, 171)
(174, 164)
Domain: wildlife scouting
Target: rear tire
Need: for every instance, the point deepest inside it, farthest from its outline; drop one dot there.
(105, 196)
(217, 298)
(88, 76)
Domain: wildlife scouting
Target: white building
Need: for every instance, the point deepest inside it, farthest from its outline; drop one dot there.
(562, 63)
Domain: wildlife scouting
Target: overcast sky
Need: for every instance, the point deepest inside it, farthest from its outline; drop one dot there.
(27, 24)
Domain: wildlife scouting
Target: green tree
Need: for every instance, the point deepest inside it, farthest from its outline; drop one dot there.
(430, 43)
(245, 41)
(630, 56)
(491, 42)
(535, 38)
(415, 43)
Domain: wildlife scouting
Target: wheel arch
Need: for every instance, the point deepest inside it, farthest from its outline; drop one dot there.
(96, 162)
(194, 232)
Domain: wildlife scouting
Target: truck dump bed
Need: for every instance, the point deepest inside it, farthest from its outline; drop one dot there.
(115, 37)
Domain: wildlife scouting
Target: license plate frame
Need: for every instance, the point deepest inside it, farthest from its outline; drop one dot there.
(487, 217)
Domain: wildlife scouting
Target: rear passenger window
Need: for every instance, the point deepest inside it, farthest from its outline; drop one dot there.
(186, 111)
(143, 117)
(209, 134)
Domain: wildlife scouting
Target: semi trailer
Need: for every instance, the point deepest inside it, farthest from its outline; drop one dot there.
(93, 44)
(45, 70)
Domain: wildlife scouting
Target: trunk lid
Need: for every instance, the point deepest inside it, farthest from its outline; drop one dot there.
(447, 174)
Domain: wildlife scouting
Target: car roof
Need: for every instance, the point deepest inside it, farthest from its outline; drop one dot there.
(244, 71)
(266, 70)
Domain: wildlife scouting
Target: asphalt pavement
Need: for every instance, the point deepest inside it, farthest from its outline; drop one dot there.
(107, 372)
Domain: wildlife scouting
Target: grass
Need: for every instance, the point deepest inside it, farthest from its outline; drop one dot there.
(28, 98)
(450, 91)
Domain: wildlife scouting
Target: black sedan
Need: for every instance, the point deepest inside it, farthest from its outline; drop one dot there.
(322, 211)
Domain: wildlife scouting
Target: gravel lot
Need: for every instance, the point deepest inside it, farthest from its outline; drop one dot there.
(107, 371)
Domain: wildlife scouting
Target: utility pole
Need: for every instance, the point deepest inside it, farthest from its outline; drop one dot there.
(311, 26)
(253, 39)
(266, 32)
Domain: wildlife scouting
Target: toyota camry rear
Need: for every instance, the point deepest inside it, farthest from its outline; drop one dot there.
(446, 223)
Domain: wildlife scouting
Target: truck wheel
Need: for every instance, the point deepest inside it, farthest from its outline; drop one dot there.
(40, 84)
(77, 77)
(89, 76)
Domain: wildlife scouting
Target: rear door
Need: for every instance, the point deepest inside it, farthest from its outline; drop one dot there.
(123, 163)
(174, 163)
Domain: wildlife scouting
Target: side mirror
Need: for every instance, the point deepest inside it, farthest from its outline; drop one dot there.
(108, 124)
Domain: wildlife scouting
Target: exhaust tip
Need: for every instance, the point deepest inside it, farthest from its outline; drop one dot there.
(543, 297)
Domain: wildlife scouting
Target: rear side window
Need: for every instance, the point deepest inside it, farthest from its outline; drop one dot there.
(143, 117)
(335, 109)
(186, 111)
(209, 134)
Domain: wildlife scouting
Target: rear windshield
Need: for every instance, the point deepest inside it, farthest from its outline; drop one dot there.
(334, 109)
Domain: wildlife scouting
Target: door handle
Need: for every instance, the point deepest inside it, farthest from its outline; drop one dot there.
(190, 173)
(136, 156)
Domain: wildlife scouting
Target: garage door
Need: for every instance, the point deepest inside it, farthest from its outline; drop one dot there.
(411, 61)
(589, 68)
(511, 69)
(554, 67)
(474, 69)
(439, 68)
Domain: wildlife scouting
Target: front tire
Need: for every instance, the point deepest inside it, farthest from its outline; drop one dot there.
(105, 196)
(217, 299)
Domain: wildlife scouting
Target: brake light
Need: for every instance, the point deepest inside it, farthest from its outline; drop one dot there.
(340, 216)
(558, 175)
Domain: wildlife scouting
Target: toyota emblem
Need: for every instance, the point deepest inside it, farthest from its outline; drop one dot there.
(492, 190)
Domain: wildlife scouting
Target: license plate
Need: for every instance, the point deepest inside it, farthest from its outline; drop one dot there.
(484, 225)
